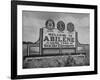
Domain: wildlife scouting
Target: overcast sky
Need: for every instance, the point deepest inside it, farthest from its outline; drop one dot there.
(32, 21)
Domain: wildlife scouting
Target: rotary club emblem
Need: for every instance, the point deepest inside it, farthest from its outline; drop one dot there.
(61, 26)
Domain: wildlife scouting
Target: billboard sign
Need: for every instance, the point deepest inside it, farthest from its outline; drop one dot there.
(57, 39)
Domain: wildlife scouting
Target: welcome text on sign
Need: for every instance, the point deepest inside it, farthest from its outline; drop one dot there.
(56, 40)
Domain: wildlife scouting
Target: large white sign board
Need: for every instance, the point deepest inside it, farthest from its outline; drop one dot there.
(57, 39)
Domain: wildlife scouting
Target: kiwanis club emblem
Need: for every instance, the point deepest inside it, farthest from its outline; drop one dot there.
(70, 27)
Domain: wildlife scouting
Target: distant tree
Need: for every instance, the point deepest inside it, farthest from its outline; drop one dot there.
(24, 42)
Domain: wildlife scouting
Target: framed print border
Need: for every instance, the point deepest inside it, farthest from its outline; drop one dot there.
(14, 38)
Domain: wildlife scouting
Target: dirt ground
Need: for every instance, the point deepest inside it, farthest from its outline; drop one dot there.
(55, 61)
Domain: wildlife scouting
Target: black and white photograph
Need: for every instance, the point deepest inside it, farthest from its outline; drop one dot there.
(53, 39)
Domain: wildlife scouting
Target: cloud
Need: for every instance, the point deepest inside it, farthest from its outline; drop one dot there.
(84, 22)
(31, 28)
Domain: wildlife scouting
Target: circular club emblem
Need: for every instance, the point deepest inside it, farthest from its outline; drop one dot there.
(61, 26)
(50, 24)
(70, 27)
